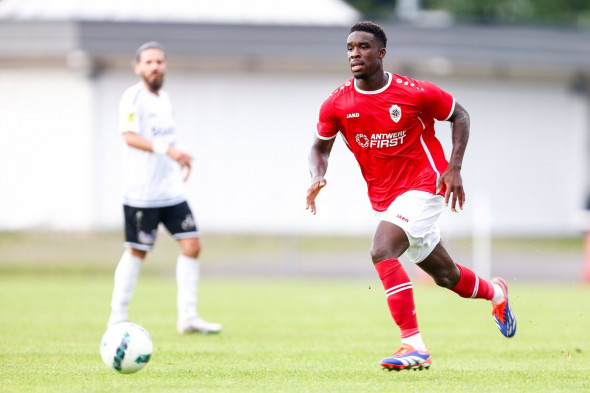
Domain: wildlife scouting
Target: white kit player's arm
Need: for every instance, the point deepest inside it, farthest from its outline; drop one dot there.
(137, 141)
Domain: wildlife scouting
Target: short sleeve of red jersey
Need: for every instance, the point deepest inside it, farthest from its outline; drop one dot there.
(327, 127)
(436, 102)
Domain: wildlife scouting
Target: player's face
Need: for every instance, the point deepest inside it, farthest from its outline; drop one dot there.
(365, 54)
(151, 67)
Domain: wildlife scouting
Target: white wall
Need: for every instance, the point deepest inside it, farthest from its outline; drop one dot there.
(45, 149)
(250, 133)
(526, 154)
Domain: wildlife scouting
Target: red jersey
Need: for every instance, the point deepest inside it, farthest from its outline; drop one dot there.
(391, 133)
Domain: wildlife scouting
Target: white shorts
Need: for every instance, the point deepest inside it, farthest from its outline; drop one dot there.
(416, 212)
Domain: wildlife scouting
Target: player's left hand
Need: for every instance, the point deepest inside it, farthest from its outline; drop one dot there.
(451, 177)
(184, 159)
(188, 172)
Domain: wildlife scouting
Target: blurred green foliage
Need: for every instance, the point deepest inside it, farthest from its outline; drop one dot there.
(573, 13)
(375, 9)
(563, 12)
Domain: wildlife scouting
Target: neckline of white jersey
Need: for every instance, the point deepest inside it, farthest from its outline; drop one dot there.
(375, 91)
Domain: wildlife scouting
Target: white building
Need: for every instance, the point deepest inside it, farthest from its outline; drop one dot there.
(247, 83)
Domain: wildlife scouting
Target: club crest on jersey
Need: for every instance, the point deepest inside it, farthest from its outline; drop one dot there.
(395, 112)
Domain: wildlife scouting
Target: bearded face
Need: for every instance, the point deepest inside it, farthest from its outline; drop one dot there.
(151, 68)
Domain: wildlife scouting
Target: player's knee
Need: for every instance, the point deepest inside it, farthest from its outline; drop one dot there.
(191, 247)
(137, 253)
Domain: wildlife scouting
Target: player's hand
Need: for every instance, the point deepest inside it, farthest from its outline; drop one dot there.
(184, 159)
(317, 183)
(451, 177)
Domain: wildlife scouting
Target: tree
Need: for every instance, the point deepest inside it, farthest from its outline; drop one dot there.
(375, 9)
(574, 13)
(562, 12)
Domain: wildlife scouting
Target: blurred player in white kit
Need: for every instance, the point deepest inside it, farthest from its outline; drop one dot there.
(153, 192)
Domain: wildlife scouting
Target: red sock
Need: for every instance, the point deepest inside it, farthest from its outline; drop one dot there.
(400, 296)
(472, 286)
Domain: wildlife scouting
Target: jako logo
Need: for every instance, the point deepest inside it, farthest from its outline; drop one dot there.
(349, 115)
(402, 218)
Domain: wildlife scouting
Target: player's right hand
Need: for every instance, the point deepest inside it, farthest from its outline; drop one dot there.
(317, 183)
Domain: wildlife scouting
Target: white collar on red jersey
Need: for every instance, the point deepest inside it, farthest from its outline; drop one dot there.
(375, 91)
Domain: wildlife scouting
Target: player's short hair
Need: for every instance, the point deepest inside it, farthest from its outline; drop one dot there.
(373, 28)
(148, 45)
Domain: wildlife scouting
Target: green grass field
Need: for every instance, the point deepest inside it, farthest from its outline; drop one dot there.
(282, 335)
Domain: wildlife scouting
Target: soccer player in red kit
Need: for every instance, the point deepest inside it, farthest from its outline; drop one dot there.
(387, 122)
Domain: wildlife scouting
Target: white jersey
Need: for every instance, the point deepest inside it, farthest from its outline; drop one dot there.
(150, 180)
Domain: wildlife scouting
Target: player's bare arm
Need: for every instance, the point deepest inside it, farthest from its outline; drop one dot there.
(318, 165)
(451, 177)
(184, 159)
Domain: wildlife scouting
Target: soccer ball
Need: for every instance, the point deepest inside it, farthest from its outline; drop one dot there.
(126, 347)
